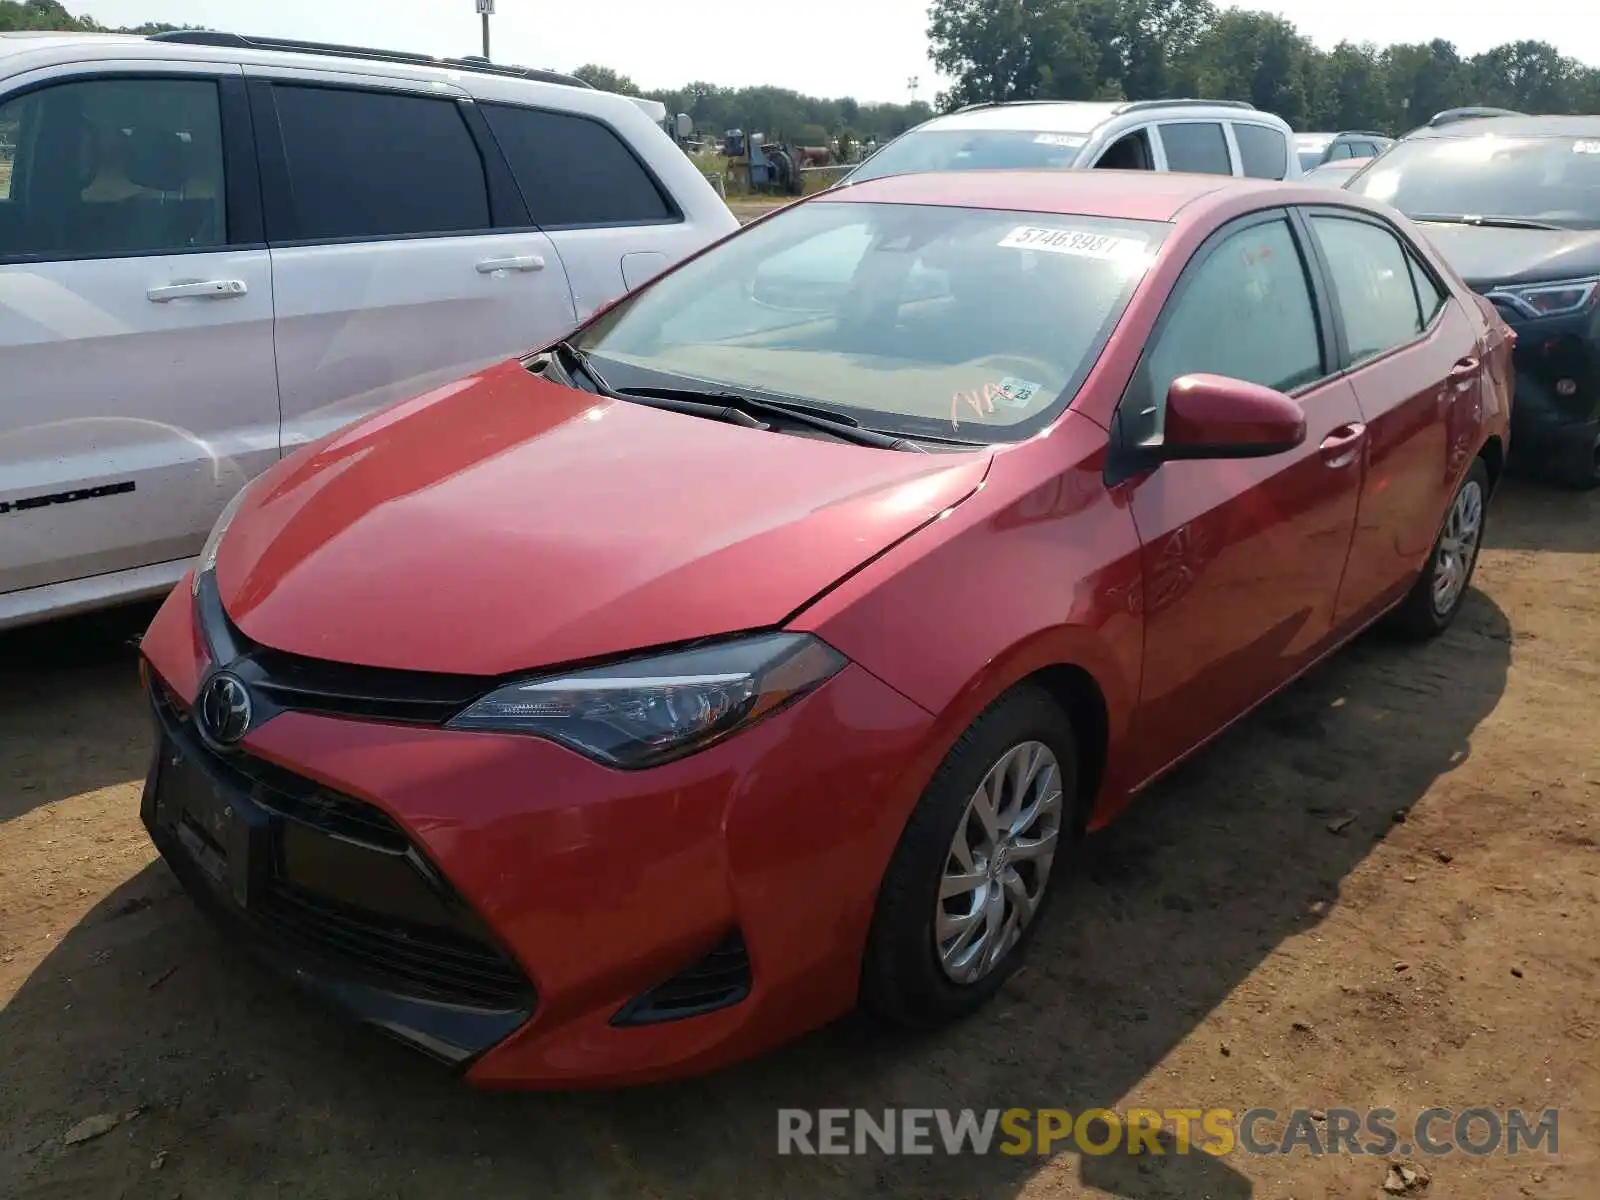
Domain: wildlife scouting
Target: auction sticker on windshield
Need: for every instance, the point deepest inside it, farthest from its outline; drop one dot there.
(1080, 242)
(1069, 141)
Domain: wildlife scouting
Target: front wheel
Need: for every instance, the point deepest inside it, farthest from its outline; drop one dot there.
(1437, 596)
(975, 865)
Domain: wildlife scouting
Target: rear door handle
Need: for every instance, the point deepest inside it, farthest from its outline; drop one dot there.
(199, 289)
(525, 262)
(1464, 373)
(1339, 448)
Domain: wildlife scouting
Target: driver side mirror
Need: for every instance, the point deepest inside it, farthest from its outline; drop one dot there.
(1212, 416)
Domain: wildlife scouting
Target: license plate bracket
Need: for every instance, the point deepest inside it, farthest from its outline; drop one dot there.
(223, 832)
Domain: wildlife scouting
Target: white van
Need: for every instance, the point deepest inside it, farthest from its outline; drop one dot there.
(214, 249)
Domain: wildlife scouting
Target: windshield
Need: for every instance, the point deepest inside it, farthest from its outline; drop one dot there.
(1551, 179)
(954, 323)
(972, 150)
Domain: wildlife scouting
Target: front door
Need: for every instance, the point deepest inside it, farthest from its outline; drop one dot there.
(137, 388)
(1241, 558)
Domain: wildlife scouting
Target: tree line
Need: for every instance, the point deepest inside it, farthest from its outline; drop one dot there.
(1147, 49)
(18, 16)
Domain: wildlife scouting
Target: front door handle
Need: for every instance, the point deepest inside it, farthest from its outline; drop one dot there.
(198, 289)
(1339, 448)
(525, 262)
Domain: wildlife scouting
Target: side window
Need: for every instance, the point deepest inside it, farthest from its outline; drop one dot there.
(1429, 297)
(1340, 150)
(1263, 152)
(378, 164)
(575, 170)
(1130, 152)
(1373, 282)
(106, 168)
(1246, 312)
(1197, 146)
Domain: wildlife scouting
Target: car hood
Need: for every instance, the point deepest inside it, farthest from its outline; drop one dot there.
(1486, 257)
(505, 522)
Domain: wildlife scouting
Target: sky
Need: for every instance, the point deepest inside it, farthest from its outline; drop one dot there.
(863, 48)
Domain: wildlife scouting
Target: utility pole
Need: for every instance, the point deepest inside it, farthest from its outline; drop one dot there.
(485, 11)
(913, 83)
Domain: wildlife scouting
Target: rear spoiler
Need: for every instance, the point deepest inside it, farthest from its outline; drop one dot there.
(654, 109)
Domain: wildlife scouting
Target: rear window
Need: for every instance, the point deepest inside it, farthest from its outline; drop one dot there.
(1197, 147)
(955, 322)
(972, 150)
(574, 170)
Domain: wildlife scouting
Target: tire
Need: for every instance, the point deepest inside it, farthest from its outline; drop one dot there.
(904, 977)
(1581, 470)
(1421, 614)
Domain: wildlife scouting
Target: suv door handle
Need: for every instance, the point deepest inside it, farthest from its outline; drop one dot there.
(1464, 373)
(206, 289)
(525, 262)
(1339, 447)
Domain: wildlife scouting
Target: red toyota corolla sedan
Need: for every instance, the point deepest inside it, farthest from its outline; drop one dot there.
(763, 648)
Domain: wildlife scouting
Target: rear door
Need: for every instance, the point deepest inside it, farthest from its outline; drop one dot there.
(1413, 359)
(1242, 558)
(615, 225)
(137, 390)
(400, 250)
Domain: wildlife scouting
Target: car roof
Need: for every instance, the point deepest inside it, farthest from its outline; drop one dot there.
(1130, 195)
(1551, 126)
(1083, 116)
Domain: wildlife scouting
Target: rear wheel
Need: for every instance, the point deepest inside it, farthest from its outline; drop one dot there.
(978, 860)
(1440, 590)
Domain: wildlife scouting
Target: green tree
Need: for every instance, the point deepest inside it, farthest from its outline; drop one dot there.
(1256, 57)
(1532, 76)
(1349, 89)
(606, 79)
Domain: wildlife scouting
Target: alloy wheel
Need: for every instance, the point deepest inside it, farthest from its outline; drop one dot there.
(1458, 547)
(999, 862)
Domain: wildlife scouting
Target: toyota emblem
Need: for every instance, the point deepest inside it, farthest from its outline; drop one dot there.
(224, 709)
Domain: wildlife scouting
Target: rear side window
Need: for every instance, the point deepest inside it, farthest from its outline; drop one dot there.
(574, 170)
(1246, 313)
(1263, 152)
(1429, 297)
(1372, 276)
(1197, 146)
(379, 164)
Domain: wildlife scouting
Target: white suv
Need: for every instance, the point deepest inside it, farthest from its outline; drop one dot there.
(215, 249)
(1211, 137)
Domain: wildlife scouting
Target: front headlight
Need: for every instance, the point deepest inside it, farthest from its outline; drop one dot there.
(648, 711)
(1552, 299)
(207, 562)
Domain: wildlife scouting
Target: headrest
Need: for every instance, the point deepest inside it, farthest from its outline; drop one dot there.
(158, 159)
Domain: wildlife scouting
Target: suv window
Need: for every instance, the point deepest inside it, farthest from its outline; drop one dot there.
(1130, 152)
(1245, 312)
(1263, 152)
(575, 170)
(1372, 279)
(1197, 146)
(378, 164)
(111, 167)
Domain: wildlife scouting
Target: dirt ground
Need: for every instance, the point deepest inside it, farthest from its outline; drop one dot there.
(1232, 942)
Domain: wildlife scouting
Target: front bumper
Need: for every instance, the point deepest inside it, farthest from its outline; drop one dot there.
(1555, 416)
(601, 894)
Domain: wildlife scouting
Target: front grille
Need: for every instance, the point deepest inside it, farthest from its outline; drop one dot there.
(346, 893)
(433, 964)
(719, 979)
(284, 682)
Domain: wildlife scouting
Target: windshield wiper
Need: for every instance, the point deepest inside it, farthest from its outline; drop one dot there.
(1489, 222)
(846, 428)
(685, 405)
